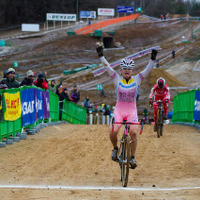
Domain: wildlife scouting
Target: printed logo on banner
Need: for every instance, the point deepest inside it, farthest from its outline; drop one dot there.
(39, 104)
(106, 11)
(13, 106)
(28, 107)
(125, 9)
(46, 105)
(87, 14)
(197, 106)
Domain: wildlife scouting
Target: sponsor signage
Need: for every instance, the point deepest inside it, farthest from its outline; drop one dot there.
(197, 106)
(16, 64)
(99, 87)
(13, 106)
(125, 9)
(31, 27)
(1, 107)
(106, 11)
(39, 104)
(28, 107)
(87, 14)
(60, 17)
(46, 104)
(139, 9)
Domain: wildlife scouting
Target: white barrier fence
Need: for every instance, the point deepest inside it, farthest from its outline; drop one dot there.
(98, 119)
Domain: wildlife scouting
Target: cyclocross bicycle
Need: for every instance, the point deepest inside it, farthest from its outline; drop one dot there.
(160, 118)
(124, 153)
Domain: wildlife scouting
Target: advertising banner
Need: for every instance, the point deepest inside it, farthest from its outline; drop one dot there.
(39, 104)
(28, 107)
(1, 107)
(31, 27)
(106, 11)
(125, 9)
(197, 106)
(46, 105)
(13, 106)
(87, 14)
(60, 17)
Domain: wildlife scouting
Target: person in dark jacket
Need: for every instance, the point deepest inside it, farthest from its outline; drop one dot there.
(28, 80)
(87, 105)
(10, 79)
(63, 96)
(41, 82)
(75, 95)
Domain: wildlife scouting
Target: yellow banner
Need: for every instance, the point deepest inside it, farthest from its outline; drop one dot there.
(13, 106)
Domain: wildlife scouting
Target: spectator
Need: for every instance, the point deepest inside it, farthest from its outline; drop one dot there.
(75, 95)
(87, 104)
(3, 86)
(41, 82)
(10, 79)
(63, 96)
(157, 63)
(173, 53)
(145, 113)
(5, 73)
(53, 87)
(28, 80)
(106, 110)
(102, 92)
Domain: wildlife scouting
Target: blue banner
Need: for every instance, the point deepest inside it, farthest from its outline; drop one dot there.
(87, 14)
(125, 9)
(39, 104)
(197, 106)
(28, 107)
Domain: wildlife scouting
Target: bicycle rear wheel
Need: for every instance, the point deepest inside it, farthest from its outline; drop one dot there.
(125, 159)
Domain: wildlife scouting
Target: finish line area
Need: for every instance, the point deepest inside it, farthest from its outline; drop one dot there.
(60, 187)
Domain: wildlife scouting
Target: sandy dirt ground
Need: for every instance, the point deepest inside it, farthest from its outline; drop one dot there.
(80, 155)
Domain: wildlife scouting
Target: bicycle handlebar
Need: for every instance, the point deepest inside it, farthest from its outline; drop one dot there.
(129, 123)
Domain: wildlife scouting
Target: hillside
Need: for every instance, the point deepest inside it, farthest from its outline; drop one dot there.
(54, 52)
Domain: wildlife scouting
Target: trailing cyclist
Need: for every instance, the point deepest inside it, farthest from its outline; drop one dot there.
(127, 87)
(160, 91)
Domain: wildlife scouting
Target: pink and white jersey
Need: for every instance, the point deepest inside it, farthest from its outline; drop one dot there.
(126, 92)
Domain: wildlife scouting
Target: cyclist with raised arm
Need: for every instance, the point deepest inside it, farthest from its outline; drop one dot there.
(160, 91)
(127, 87)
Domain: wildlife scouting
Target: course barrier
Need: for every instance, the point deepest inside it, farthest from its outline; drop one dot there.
(25, 108)
(73, 113)
(186, 108)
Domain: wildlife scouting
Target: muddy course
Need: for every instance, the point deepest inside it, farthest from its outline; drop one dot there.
(74, 162)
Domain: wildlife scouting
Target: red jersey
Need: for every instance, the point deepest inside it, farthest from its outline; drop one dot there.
(159, 94)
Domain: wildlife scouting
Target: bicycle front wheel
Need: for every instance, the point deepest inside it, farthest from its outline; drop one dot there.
(158, 122)
(125, 161)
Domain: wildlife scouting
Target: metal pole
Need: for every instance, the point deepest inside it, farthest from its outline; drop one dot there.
(143, 5)
(77, 10)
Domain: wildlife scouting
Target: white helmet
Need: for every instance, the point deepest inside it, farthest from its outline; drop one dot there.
(127, 64)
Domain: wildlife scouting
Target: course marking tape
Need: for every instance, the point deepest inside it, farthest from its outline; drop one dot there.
(93, 188)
